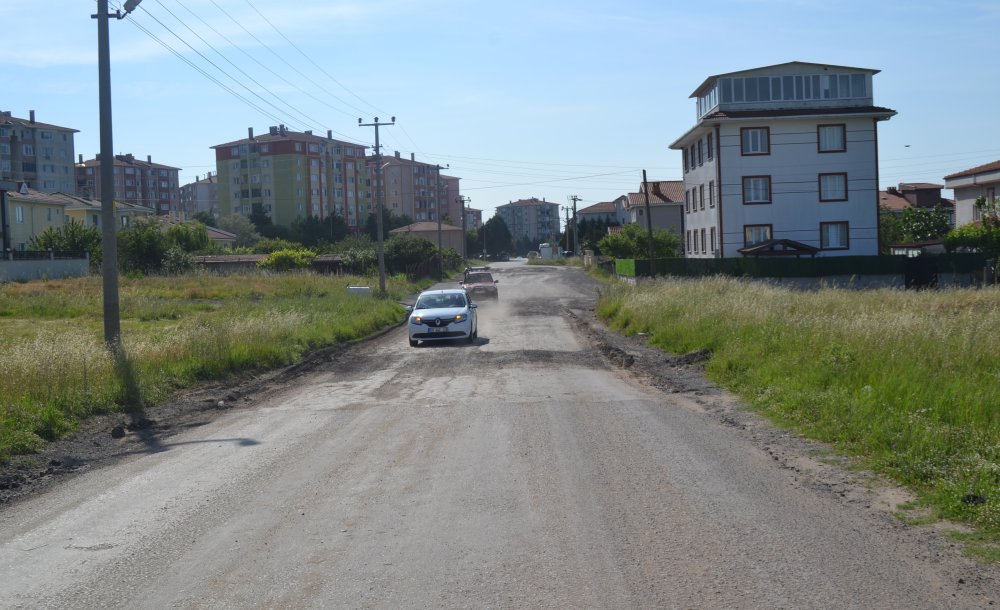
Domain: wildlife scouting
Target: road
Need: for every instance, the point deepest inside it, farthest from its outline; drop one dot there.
(526, 470)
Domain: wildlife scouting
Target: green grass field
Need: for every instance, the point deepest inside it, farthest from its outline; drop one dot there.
(176, 331)
(908, 382)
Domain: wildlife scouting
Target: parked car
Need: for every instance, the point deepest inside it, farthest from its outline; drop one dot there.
(480, 284)
(440, 315)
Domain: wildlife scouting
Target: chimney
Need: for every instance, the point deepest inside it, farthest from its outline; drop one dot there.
(309, 132)
(413, 156)
(249, 133)
(149, 158)
(329, 134)
(81, 158)
(31, 116)
(282, 131)
(397, 154)
(273, 130)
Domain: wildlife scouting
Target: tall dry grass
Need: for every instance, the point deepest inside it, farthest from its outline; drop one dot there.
(55, 371)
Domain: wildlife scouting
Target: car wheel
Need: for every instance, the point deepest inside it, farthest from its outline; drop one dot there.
(413, 342)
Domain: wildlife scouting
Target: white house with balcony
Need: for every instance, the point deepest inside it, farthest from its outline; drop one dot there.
(783, 160)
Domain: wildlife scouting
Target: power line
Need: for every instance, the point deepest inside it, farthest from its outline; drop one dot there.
(231, 63)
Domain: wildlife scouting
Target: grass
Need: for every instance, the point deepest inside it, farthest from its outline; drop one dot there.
(176, 331)
(908, 382)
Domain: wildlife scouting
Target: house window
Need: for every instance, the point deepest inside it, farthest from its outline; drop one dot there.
(687, 201)
(701, 197)
(701, 158)
(688, 240)
(755, 234)
(703, 244)
(755, 141)
(831, 138)
(711, 194)
(685, 155)
(712, 235)
(709, 144)
(28, 149)
(756, 189)
(833, 187)
(19, 214)
(833, 235)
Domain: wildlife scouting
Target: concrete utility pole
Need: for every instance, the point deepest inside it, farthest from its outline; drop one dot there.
(462, 200)
(576, 229)
(378, 200)
(438, 214)
(566, 210)
(649, 227)
(109, 245)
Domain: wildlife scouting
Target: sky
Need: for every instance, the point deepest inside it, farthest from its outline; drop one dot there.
(543, 98)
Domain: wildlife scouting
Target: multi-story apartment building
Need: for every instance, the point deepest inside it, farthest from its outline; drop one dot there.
(39, 154)
(288, 175)
(535, 219)
(200, 196)
(418, 190)
(783, 158)
(138, 182)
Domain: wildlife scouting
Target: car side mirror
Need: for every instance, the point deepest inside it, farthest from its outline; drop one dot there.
(408, 308)
(473, 306)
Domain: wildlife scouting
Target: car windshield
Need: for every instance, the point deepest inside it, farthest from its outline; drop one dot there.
(440, 301)
(479, 278)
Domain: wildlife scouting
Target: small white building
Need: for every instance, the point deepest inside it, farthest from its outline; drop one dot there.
(971, 184)
(784, 153)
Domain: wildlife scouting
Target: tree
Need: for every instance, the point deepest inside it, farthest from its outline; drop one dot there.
(204, 218)
(141, 246)
(982, 236)
(406, 251)
(498, 237)
(242, 228)
(922, 224)
(390, 221)
(633, 242)
(309, 231)
(189, 237)
(890, 230)
(71, 237)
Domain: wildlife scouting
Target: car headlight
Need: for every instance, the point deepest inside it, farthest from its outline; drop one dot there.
(416, 320)
(460, 317)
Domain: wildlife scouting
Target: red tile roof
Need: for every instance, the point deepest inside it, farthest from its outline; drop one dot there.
(661, 192)
(606, 207)
(893, 201)
(982, 169)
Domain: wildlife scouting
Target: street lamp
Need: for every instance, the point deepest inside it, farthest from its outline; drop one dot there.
(109, 245)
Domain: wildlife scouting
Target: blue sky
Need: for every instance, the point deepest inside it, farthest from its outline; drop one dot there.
(548, 98)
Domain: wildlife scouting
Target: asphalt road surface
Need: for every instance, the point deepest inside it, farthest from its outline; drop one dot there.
(525, 470)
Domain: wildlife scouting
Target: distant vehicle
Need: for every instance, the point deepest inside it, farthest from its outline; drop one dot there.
(480, 284)
(442, 315)
(533, 254)
(501, 257)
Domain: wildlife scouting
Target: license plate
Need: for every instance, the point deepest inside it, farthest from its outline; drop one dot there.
(436, 330)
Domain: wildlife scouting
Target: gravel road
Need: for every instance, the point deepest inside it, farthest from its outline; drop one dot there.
(551, 464)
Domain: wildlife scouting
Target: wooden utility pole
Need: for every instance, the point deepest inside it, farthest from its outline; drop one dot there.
(649, 226)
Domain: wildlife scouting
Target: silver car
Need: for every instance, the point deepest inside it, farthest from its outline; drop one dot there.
(440, 315)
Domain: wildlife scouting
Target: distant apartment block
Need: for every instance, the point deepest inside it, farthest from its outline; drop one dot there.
(39, 154)
(288, 175)
(418, 190)
(971, 184)
(535, 219)
(138, 182)
(783, 160)
(200, 196)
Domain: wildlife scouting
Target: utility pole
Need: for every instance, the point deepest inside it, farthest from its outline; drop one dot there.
(576, 230)
(378, 200)
(649, 226)
(438, 214)
(566, 210)
(462, 200)
(109, 245)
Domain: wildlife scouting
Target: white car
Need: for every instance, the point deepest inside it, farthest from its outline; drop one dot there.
(440, 315)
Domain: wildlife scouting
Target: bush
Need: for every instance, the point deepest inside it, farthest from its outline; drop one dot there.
(177, 261)
(288, 259)
(141, 247)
